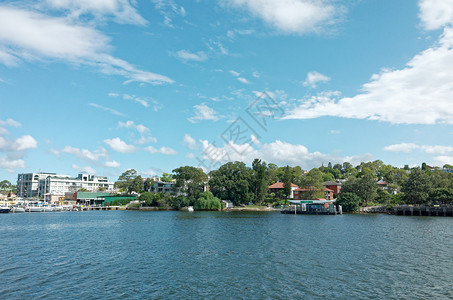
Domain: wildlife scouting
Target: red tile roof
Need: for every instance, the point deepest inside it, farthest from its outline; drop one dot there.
(279, 185)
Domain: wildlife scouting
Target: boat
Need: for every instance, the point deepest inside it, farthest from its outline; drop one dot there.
(34, 208)
(4, 209)
(17, 209)
(190, 208)
(47, 209)
(57, 208)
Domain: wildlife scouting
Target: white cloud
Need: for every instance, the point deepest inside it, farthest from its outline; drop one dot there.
(30, 35)
(84, 154)
(143, 131)
(118, 145)
(3, 131)
(112, 164)
(86, 169)
(313, 78)
(204, 112)
(278, 152)
(15, 150)
(189, 141)
(420, 93)
(402, 147)
(237, 75)
(436, 14)
(186, 55)
(161, 150)
(26, 142)
(243, 80)
(122, 10)
(135, 99)
(11, 165)
(292, 16)
(107, 109)
(10, 123)
(20, 144)
(442, 154)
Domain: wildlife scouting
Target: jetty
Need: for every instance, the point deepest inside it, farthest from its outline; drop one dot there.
(422, 210)
(311, 207)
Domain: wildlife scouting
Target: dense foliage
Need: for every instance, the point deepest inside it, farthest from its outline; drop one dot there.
(348, 201)
(237, 182)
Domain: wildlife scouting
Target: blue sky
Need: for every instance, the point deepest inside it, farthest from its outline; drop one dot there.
(104, 86)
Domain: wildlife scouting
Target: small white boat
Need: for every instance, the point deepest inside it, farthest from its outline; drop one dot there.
(34, 209)
(47, 209)
(17, 209)
(57, 208)
(190, 208)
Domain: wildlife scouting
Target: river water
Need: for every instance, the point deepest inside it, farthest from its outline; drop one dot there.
(136, 255)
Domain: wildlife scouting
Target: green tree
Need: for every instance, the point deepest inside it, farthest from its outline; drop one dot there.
(348, 201)
(149, 198)
(287, 178)
(312, 182)
(416, 188)
(207, 201)
(136, 185)
(259, 180)
(5, 185)
(190, 180)
(126, 182)
(148, 185)
(441, 195)
(232, 181)
(166, 177)
(364, 187)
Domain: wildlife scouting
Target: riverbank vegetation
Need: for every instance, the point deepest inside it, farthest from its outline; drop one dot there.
(244, 185)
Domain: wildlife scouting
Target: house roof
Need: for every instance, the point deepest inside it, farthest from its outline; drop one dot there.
(279, 185)
(382, 183)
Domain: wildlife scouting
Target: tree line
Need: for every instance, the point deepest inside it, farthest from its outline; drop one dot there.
(241, 184)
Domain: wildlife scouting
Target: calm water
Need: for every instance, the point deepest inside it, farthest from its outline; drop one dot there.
(123, 254)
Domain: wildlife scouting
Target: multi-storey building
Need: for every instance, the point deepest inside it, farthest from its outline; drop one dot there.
(41, 184)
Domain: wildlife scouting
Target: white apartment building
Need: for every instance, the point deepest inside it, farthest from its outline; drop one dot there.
(40, 184)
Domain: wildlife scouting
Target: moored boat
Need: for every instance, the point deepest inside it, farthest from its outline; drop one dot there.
(17, 209)
(4, 209)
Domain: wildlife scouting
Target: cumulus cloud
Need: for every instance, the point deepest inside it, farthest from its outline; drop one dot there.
(161, 150)
(27, 35)
(85, 154)
(112, 164)
(278, 152)
(441, 154)
(14, 150)
(313, 78)
(189, 141)
(419, 93)
(436, 14)
(120, 146)
(430, 149)
(292, 16)
(202, 113)
(10, 165)
(10, 123)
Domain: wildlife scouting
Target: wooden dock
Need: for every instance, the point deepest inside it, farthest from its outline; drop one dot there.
(440, 211)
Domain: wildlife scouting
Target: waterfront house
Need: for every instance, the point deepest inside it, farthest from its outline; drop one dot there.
(383, 185)
(277, 188)
(333, 185)
(300, 193)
